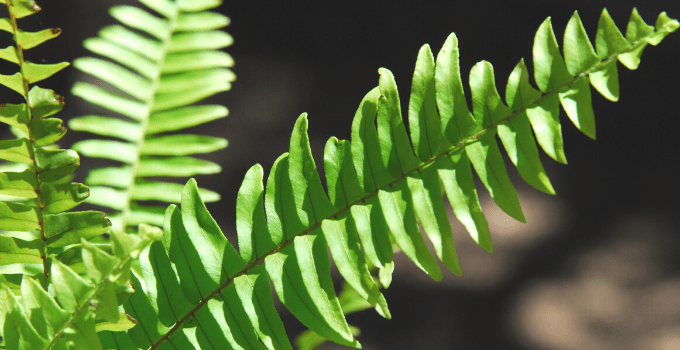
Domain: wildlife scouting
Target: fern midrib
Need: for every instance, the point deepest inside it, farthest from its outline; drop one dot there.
(31, 139)
(129, 191)
(447, 153)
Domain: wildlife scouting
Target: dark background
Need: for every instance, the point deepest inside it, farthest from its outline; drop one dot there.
(596, 267)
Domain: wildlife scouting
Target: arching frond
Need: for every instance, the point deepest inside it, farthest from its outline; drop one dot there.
(198, 292)
(35, 181)
(162, 61)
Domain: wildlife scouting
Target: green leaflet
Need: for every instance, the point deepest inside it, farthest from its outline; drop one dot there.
(68, 228)
(397, 156)
(14, 82)
(117, 128)
(311, 201)
(308, 293)
(517, 138)
(251, 224)
(16, 151)
(139, 19)
(37, 72)
(36, 224)
(201, 21)
(53, 165)
(130, 83)
(15, 115)
(177, 166)
(162, 63)
(579, 55)
(380, 191)
(608, 41)
(255, 295)
(191, 144)
(29, 40)
(544, 118)
(350, 301)
(368, 165)
(186, 117)
(577, 103)
(23, 8)
(456, 176)
(44, 102)
(636, 32)
(168, 192)
(424, 123)
(351, 262)
(17, 251)
(201, 226)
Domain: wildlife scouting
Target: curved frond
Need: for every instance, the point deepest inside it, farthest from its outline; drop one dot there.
(382, 186)
(35, 178)
(161, 60)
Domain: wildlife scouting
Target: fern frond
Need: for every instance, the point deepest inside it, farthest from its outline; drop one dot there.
(75, 307)
(162, 63)
(379, 190)
(36, 180)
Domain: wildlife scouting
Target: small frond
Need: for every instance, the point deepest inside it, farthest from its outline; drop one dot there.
(35, 181)
(382, 187)
(162, 60)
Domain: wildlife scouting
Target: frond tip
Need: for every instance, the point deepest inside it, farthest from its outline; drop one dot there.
(380, 192)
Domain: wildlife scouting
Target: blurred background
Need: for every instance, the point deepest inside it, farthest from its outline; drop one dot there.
(596, 267)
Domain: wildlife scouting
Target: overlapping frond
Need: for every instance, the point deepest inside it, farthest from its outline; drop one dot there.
(75, 307)
(35, 180)
(199, 292)
(162, 61)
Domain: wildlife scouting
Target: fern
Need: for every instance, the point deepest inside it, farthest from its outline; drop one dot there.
(36, 181)
(379, 190)
(162, 64)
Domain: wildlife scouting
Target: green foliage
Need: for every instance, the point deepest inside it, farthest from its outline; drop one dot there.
(379, 191)
(77, 307)
(161, 64)
(36, 179)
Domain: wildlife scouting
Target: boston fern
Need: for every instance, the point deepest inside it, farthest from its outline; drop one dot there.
(192, 289)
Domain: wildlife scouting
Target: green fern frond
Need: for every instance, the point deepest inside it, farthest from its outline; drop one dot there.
(36, 180)
(162, 63)
(76, 307)
(379, 190)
